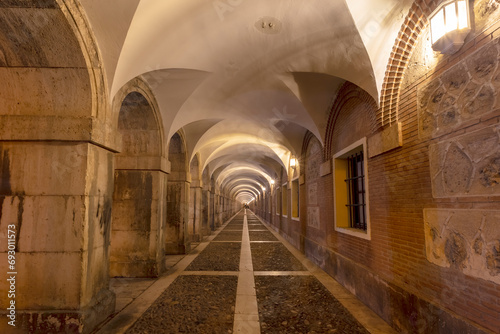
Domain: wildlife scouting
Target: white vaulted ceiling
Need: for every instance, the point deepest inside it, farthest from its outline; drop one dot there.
(245, 80)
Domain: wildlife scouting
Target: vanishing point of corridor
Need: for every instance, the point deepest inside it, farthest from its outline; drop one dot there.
(244, 279)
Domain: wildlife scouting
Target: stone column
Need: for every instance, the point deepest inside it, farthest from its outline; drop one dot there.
(56, 197)
(176, 232)
(195, 209)
(212, 210)
(217, 211)
(205, 211)
(139, 214)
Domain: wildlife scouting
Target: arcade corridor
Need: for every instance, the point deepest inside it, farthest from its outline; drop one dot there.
(362, 137)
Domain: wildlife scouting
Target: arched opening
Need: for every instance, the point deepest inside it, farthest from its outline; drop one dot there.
(137, 248)
(178, 188)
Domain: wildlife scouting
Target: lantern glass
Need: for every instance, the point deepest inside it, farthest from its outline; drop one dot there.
(449, 26)
(450, 14)
(463, 17)
(437, 26)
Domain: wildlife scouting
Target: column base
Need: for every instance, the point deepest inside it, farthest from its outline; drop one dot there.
(176, 249)
(62, 321)
(134, 269)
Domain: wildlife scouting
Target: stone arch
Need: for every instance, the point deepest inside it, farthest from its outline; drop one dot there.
(349, 97)
(415, 22)
(178, 188)
(139, 87)
(139, 208)
(55, 118)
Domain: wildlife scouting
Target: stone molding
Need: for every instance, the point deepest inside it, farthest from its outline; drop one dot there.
(142, 163)
(383, 141)
(57, 128)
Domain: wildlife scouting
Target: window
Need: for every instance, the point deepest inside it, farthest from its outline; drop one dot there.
(351, 190)
(295, 198)
(276, 200)
(269, 201)
(355, 183)
(284, 200)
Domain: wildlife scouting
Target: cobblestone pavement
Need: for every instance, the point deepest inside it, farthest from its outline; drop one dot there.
(192, 304)
(301, 304)
(246, 281)
(274, 257)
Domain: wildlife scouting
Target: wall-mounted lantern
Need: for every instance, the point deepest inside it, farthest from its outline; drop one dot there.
(272, 181)
(450, 25)
(293, 162)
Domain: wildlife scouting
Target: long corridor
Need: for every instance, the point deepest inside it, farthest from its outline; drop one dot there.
(243, 279)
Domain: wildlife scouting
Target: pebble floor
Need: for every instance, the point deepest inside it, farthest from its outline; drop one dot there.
(245, 281)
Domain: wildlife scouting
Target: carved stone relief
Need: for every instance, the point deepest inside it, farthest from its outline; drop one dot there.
(465, 92)
(313, 217)
(467, 240)
(312, 194)
(467, 165)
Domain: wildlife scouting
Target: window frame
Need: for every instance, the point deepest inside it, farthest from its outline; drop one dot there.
(295, 184)
(284, 200)
(340, 197)
(277, 201)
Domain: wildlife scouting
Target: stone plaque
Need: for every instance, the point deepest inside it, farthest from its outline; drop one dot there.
(312, 194)
(313, 217)
(467, 240)
(467, 165)
(465, 92)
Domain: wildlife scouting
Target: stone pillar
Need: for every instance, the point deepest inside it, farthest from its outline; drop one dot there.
(195, 209)
(56, 173)
(176, 232)
(205, 211)
(212, 210)
(217, 211)
(56, 197)
(139, 214)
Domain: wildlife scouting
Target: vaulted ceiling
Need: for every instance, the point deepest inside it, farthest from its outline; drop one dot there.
(245, 80)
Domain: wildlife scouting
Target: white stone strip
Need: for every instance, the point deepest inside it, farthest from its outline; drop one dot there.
(209, 273)
(265, 242)
(282, 273)
(369, 319)
(246, 313)
(123, 320)
(224, 241)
